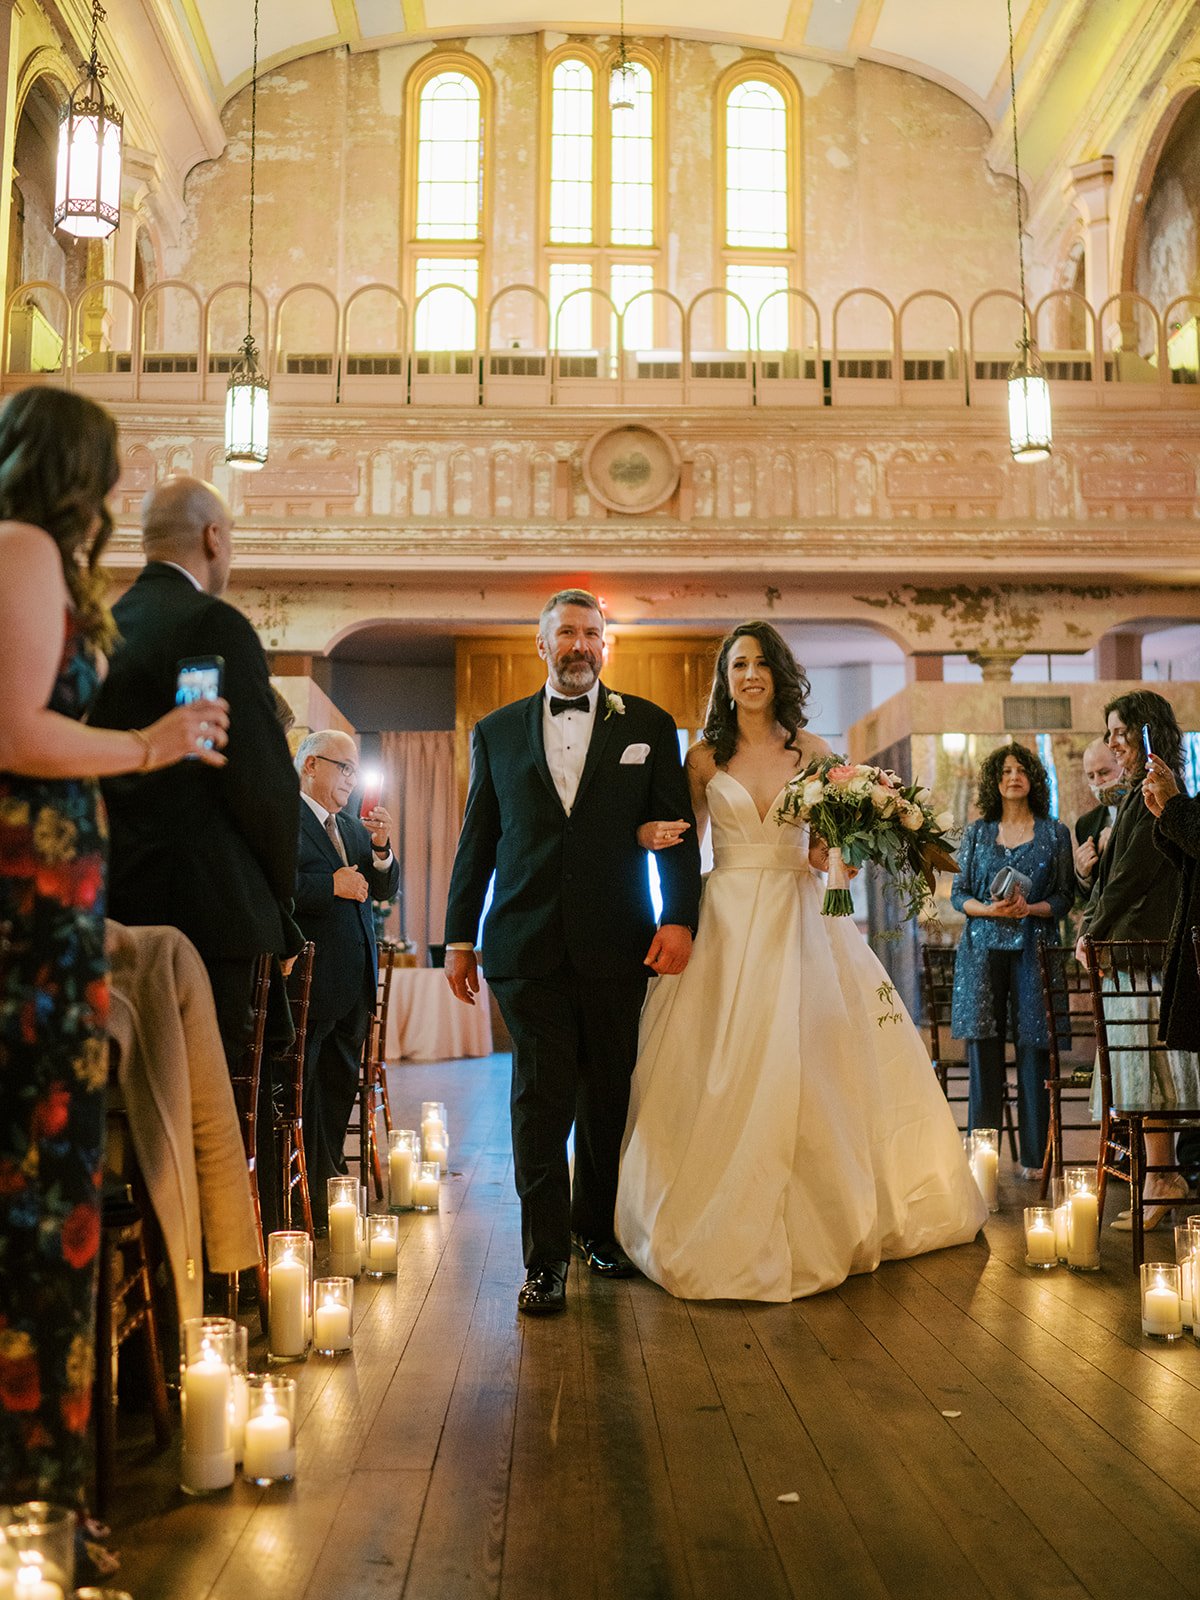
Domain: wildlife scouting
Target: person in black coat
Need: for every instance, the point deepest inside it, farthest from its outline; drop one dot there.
(560, 785)
(210, 852)
(1102, 773)
(343, 865)
(1177, 835)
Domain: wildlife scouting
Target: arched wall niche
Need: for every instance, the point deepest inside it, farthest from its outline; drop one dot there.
(1175, 96)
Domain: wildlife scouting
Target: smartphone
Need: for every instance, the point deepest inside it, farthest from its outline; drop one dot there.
(372, 791)
(1146, 745)
(199, 678)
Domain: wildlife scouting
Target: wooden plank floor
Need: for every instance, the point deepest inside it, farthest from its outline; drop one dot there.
(952, 1425)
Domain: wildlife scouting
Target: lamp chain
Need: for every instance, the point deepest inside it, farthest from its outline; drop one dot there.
(95, 69)
(253, 151)
(1012, 81)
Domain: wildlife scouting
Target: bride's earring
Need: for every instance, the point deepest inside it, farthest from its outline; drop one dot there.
(732, 703)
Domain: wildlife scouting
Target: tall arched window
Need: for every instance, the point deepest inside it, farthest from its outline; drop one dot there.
(448, 204)
(758, 243)
(602, 224)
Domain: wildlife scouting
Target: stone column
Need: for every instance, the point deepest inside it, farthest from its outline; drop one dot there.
(1088, 188)
(138, 180)
(1119, 656)
(996, 665)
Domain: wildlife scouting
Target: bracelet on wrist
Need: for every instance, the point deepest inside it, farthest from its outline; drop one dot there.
(147, 750)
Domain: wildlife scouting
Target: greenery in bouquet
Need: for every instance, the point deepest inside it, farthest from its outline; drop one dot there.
(866, 813)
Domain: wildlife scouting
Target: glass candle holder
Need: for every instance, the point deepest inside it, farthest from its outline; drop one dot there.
(238, 1400)
(39, 1546)
(1162, 1308)
(206, 1363)
(271, 1430)
(425, 1186)
(333, 1315)
(289, 1286)
(383, 1241)
(435, 1139)
(1058, 1201)
(90, 1592)
(985, 1164)
(1041, 1247)
(1083, 1219)
(345, 1240)
(404, 1153)
(1186, 1241)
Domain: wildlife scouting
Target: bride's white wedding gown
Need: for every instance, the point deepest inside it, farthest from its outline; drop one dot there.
(785, 1128)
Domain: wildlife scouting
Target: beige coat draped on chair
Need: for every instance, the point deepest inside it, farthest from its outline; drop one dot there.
(179, 1102)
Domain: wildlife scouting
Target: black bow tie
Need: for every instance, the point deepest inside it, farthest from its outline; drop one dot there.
(557, 705)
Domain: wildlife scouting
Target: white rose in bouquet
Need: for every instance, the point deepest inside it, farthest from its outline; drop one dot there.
(911, 816)
(812, 793)
(883, 799)
(861, 784)
(944, 821)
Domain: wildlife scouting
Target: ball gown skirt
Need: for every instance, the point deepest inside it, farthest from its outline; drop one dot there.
(786, 1128)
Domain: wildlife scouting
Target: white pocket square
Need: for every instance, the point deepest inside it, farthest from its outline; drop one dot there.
(634, 754)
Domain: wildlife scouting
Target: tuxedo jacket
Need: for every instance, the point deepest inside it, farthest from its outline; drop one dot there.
(1091, 825)
(211, 851)
(571, 888)
(346, 960)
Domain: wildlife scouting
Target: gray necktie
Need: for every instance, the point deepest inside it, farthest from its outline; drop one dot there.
(331, 828)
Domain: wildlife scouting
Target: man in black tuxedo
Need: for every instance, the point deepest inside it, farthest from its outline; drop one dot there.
(211, 852)
(560, 785)
(1102, 774)
(343, 865)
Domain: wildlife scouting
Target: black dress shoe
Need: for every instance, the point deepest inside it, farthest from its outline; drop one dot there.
(545, 1290)
(604, 1257)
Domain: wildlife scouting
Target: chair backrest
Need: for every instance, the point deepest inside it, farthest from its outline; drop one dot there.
(299, 988)
(383, 997)
(1196, 946)
(937, 965)
(1067, 1001)
(1125, 977)
(246, 1079)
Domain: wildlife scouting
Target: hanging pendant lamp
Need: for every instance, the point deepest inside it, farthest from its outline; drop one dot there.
(622, 77)
(1029, 431)
(247, 399)
(87, 191)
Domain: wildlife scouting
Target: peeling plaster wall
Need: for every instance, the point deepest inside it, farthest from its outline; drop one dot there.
(894, 187)
(1169, 241)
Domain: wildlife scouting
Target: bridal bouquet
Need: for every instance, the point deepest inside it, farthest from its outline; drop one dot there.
(870, 814)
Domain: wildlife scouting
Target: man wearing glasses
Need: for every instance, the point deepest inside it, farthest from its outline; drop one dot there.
(343, 864)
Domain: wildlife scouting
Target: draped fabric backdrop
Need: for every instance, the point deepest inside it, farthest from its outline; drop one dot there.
(419, 791)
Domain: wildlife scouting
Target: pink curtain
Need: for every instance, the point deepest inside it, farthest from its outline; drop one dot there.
(419, 791)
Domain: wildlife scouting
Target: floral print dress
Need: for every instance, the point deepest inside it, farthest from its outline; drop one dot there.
(53, 1070)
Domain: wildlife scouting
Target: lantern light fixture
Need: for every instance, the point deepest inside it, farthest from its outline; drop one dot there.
(1029, 430)
(622, 77)
(87, 191)
(247, 399)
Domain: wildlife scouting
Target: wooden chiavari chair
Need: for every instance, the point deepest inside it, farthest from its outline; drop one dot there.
(289, 1110)
(373, 1098)
(937, 963)
(1126, 986)
(246, 1084)
(1067, 997)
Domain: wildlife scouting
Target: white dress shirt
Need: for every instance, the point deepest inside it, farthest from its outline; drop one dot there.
(566, 738)
(319, 811)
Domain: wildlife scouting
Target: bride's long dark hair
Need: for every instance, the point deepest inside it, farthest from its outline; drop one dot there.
(791, 691)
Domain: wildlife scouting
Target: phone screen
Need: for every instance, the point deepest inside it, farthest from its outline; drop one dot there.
(199, 679)
(1146, 745)
(372, 791)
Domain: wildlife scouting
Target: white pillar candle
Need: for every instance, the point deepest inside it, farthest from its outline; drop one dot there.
(239, 1405)
(1040, 1246)
(332, 1326)
(1186, 1277)
(1083, 1230)
(433, 1133)
(31, 1582)
(288, 1318)
(1161, 1311)
(1060, 1230)
(343, 1228)
(206, 1405)
(425, 1193)
(269, 1450)
(381, 1253)
(985, 1164)
(400, 1177)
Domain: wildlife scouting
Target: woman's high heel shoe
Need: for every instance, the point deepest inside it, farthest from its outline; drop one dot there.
(1157, 1211)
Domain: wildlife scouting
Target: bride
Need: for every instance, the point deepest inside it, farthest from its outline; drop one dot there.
(785, 1127)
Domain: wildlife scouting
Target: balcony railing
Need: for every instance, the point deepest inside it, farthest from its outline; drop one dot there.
(175, 345)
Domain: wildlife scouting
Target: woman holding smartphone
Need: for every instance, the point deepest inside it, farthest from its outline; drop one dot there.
(1015, 880)
(1134, 897)
(58, 461)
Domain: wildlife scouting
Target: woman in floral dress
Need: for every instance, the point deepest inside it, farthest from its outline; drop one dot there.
(58, 461)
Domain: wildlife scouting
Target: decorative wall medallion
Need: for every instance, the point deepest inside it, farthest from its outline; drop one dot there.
(631, 468)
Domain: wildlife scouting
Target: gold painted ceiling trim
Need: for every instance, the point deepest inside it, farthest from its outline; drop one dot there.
(204, 50)
(865, 23)
(796, 24)
(345, 14)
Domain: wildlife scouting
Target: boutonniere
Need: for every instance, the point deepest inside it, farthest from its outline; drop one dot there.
(613, 703)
